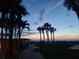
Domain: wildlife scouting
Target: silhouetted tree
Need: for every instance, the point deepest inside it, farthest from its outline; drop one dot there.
(52, 30)
(46, 27)
(1, 29)
(20, 11)
(6, 6)
(7, 25)
(43, 29)
(12, 10)
(39, 29)
(72, 4)
(21, 25)
(2, 10)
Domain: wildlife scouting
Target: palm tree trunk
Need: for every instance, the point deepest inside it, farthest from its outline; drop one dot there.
(6, 28)
(11, 34)
(47, 36)
(40, 37)
(15, 33)
(2, 33)
(6, 34)
(10, 42)
(43, 36)
(19, 33)
(53, 38)
(3, 16)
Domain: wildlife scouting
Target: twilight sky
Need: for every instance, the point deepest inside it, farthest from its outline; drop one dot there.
(53, 12)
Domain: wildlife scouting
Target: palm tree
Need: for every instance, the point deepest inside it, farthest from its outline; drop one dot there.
(1, 30)
(6, 6)
(46, 27)
(7, 25)
(42, 29)
(21, 25)
(54, 34)
(20, 11)
(39, 29)
(52, 30)
(72, 4)
(2, 20)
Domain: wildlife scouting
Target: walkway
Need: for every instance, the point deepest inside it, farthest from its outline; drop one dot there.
(31, 54)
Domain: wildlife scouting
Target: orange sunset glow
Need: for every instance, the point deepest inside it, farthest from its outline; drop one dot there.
(65, 36)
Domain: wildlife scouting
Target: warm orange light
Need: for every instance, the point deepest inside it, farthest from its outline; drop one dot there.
(68, 36)
(60, 36)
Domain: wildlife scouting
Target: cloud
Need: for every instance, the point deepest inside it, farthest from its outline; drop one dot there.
(32, 1)
(41, 13)
(32, 37)
(29, 33)
(71, 26)
(38, 14)
(48, 7)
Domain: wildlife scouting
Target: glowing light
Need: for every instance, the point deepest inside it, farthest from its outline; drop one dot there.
(59, 37)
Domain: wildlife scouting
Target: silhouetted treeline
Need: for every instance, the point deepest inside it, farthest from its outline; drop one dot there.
(46, 28)
(11, 23)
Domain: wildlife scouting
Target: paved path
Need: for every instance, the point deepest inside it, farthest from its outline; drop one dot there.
(30, 54)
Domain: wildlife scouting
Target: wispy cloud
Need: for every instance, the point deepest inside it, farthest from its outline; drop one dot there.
(54, 6)
(48, 7)
(44, 9)
(29, 33)
(32, 1)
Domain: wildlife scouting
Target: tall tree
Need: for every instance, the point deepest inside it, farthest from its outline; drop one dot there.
(42, 29)
(14, 11)
(5, 7)
(52, 30)
(39, 29)
(46, 27)
(21, 25)
(20, 11)
(10, 10)
(54, 34)
(72, 5)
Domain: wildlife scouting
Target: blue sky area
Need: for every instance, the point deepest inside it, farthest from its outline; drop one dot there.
(53, 12)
